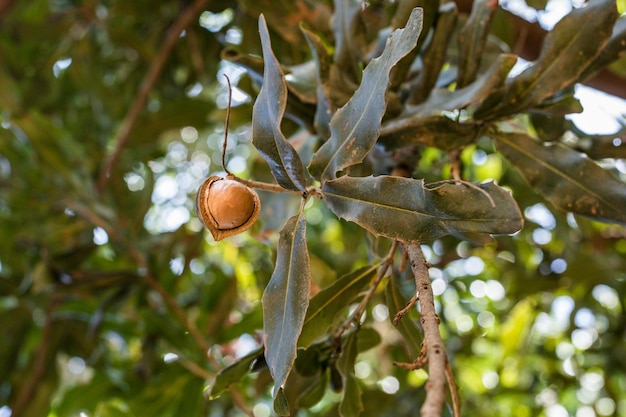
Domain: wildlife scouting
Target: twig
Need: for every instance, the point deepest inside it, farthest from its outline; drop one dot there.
(456, 401)
(239, 401)
(194, 368)
(225, 145)
(41, 361)
(418, 363)
(123, 134)
(358, 311)
(273, 187)
(149, 277)
(405, 310)
(455, 164)
(436, 354)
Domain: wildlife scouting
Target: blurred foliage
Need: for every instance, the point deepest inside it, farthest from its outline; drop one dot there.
(112, 295)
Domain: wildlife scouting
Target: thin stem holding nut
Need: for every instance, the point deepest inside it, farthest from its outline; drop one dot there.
(226, 122)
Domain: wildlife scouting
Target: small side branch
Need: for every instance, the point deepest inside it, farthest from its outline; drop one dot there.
(123, 134)
(356, 314)
(41, 362)
(435, 351)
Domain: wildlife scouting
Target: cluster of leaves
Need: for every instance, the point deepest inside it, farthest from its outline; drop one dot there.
(434, 94)
(405, 209)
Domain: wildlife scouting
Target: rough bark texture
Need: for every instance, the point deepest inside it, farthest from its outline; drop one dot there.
(436, 354)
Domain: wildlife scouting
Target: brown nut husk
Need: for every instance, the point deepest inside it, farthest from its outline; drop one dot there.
(226, 207)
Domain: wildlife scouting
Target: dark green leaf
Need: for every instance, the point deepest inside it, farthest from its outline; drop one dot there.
(568, 49)
(233, 373)
(611, 52)
(404, 209)
(368, 339)
(302, 82)
(267, 115)
(472, 39)
(567, 178)
(403, 70)
(436, 52)
(324, 109)
(307, 382)
(599, 147)
(426, 123)
(314, 393)
(285, 300)
(446, 100)
(281, 406)
(492, 79)
(348, 39)
(355, 127)
(437, 131)
(327, 305)
(409, 330)
(560, 105)
(351, 404)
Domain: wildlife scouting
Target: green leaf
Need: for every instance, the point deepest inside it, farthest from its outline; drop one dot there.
(326, 306)
(351, 404)
(285, 300)
(567, 50)
(407, 327)
(446, 100)
(281, 405)
(233, 373)
(426, 123)
(314, 393)
(472, 39)
(368, 339)
(324, 109)
(435, 55)
(405, 209)
(436, 131)
(354, 127)
(267, 115)
(567, 178)
(613, 50)
(349, 41)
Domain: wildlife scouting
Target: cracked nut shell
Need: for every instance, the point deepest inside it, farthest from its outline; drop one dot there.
(226, 207)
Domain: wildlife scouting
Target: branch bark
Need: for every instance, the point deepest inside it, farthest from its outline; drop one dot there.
(435, 351)
(42, 361)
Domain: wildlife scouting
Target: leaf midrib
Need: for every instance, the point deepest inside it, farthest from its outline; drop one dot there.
(553, 169)
(415, 212)
(337, 294)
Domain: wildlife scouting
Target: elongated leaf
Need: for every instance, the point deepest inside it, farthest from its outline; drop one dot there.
(267, 114)
(426, 124)
(404, 209)
(407, 328)
(434, 130)
(472, 39)
(349, 40)
(567, 178)
(351, 404)
(285, 300)
(613, 50)
(281, 405)
(478, 90)
(233, 373)
(435, 54)
(567, 51)
(324, 109)
(326, 307)
(354, 127)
